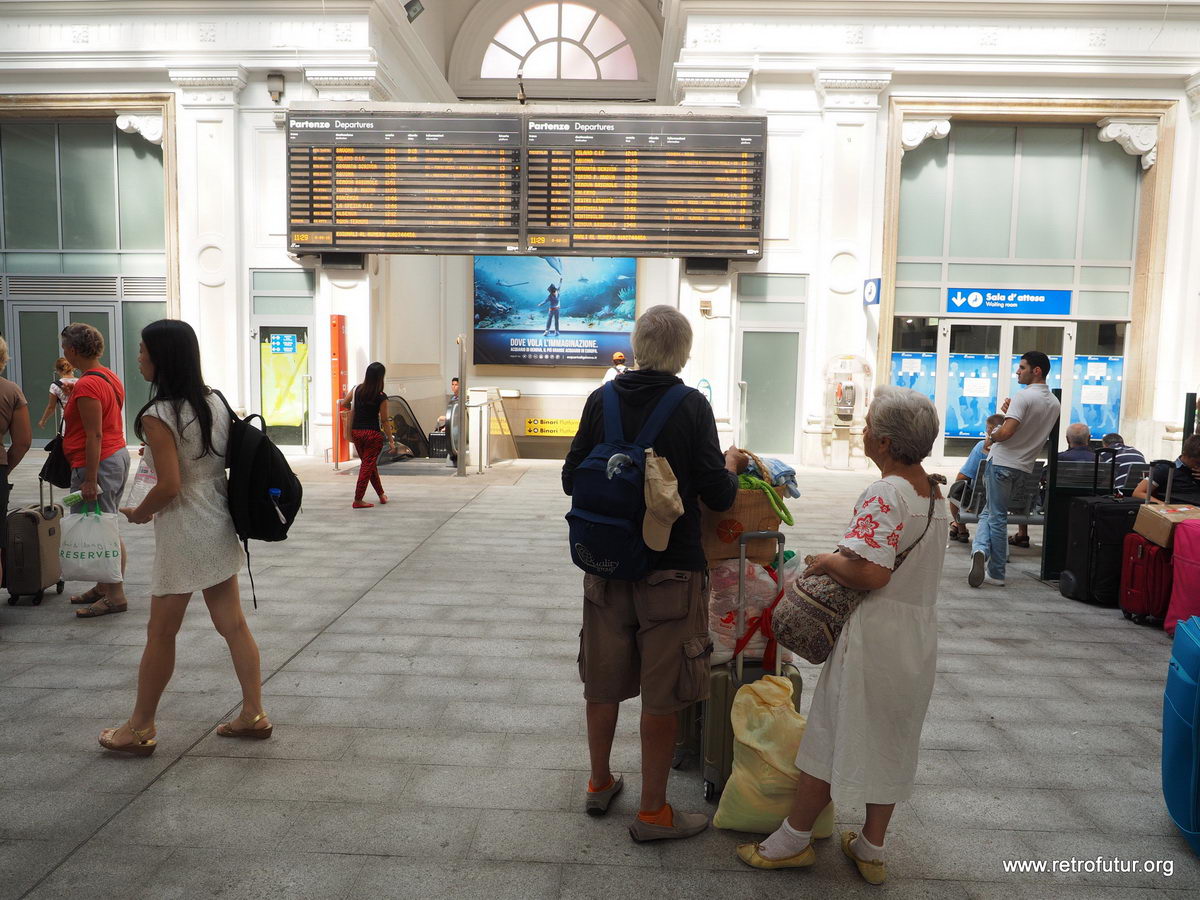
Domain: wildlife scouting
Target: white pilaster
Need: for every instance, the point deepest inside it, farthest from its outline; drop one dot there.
(852, 177)
(210, 271)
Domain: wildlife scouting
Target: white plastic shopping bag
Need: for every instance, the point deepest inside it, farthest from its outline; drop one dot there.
(90, 549)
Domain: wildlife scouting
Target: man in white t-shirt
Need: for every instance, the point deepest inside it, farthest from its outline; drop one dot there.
(618, 367)
(1028, 417)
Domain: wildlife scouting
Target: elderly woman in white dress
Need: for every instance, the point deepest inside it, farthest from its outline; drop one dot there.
(864, 727)
(186, 429)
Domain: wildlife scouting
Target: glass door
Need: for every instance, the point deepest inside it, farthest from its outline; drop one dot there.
(770, 372)
(977, 365)
(284, 380)
(35, 345)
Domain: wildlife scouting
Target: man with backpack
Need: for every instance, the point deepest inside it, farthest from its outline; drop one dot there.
(645, 611)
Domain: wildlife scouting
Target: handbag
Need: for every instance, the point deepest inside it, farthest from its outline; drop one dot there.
(812, 611)
(347, 417)
(752, 510)
(56, 470)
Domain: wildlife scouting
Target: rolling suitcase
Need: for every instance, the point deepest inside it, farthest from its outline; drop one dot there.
(31, 554)
(1096, 529)
(716, 726)
(1181, 733)
(1185, 589)
(1145, 580)
(439, 445)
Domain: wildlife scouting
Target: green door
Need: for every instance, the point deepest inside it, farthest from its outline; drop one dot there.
(770, 371)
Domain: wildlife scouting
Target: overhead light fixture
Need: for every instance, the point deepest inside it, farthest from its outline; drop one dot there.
(414, 9)
(275, 84)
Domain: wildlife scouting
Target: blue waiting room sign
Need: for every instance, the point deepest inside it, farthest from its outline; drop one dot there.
(1007, 302)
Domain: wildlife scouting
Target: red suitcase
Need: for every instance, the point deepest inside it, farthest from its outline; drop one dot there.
(1145, 580)
(1185, 593)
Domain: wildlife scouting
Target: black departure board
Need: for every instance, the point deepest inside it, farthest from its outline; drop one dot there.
(404, 183)
(564, 184)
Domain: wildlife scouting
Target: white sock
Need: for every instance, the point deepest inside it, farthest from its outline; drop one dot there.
(785, 842)
(865, 850)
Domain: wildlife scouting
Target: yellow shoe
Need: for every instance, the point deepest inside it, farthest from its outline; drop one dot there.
(823, 827)
(748, 853)
(874, 871)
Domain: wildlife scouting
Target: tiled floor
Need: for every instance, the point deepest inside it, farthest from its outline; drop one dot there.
(420, 668)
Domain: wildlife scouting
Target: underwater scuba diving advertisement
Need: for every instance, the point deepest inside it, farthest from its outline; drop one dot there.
(553, 310)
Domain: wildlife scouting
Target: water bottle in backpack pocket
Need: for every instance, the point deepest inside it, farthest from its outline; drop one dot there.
(608, 501)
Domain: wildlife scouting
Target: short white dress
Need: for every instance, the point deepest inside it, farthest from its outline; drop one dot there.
(195, 546)
(864, 725)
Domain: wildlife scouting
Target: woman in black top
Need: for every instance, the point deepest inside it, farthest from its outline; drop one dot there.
(368, 426)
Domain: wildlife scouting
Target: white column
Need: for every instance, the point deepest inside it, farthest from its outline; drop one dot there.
(210, 274)
(850, 244)
(341, 291)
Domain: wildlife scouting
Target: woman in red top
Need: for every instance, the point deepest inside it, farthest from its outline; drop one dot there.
(94, 444)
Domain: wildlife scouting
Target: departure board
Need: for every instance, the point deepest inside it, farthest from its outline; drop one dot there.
(403, 184)
(571, 183)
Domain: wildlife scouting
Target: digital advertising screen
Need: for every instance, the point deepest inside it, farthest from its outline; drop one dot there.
(553, 311)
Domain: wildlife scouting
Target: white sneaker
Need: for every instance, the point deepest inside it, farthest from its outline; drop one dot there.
(978, 562)
(998, 582)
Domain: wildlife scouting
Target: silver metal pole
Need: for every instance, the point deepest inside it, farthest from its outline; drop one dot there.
(461, 411)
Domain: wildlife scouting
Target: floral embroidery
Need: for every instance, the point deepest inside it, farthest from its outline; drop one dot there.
(864, 528)
(893, 539)
(878, 501)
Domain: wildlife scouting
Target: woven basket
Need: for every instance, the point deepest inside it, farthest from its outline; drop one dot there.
(751, 511)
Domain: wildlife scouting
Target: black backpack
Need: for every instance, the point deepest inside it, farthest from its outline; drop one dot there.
(264, 493)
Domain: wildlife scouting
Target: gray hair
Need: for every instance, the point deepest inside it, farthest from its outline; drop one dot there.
(1078, 434)
(662, 339)
(908, 418)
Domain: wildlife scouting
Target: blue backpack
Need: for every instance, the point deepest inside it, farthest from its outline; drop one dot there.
(608, 500)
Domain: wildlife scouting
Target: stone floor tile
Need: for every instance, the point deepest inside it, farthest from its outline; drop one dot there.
(94, 870)
(286, 742)
(489, 788)
(382, 829)
(178, 820)
(527, 718)
(403, 879)
(431, 747)
(559, 837)
(251, 875)
(55, 815)
(24, 862)
(998, 808)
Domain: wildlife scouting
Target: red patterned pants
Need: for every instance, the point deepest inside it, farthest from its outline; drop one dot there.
(369, 445)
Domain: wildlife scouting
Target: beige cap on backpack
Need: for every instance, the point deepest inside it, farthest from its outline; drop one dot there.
(663, 504)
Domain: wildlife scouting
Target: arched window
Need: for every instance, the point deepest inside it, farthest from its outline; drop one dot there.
(560, 40)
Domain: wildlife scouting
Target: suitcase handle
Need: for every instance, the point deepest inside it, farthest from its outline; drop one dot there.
(743, 539)
(1112, 480)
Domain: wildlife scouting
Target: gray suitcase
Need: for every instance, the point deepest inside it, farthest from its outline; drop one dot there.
(31, 563)
(708, 726)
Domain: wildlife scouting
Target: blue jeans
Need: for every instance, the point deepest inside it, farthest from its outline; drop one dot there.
(552, 317)
(991, 534)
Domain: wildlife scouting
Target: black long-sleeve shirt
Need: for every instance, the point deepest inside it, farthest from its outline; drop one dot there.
(688, 442)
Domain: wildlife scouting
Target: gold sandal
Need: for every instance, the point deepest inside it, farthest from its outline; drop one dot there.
(143, 746)
(87, 598)
(228, 729)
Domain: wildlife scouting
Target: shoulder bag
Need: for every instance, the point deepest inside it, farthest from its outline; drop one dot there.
(812, 611)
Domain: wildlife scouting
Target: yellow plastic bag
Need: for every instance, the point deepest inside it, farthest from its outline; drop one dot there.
(766, 735)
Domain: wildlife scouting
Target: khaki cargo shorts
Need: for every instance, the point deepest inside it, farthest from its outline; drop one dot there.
(648, 637)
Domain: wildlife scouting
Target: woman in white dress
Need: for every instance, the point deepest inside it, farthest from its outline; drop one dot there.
(864, 727)
(186, 428)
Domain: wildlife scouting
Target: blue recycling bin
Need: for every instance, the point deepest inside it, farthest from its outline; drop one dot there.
(1181, 732)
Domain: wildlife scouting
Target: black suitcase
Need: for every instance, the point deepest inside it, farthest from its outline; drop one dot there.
(1096, 529)
(439, 445)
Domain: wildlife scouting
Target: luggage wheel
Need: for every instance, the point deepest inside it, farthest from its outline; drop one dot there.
(12, 599)
(1128, 615)
(58, 588)
(37, 598)
(710, 791)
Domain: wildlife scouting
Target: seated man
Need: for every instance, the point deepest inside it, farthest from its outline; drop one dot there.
(1185, 486)
(1079, 438)
(965, 477)
(1126, 459)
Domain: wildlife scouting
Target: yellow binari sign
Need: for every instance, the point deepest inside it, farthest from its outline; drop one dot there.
(551, 427)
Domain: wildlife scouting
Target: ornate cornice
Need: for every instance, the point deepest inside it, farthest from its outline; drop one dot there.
(1136, 135)
(343, 82)
(914, 132)
(148, 126)
(851, 90)
(710, 85)
(209, 86)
